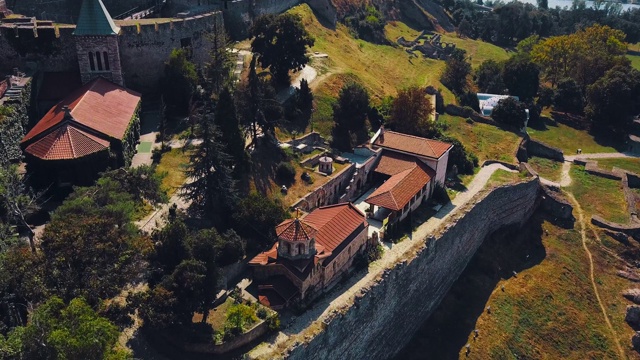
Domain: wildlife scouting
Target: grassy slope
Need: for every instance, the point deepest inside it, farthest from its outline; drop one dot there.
(546, 168)
(172, 165)
(632, 165)
(549, 311)
(598, 196)
(568, 139)
(486, 141)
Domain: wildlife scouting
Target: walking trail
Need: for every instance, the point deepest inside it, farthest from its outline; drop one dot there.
(341, 296)
(591, 273)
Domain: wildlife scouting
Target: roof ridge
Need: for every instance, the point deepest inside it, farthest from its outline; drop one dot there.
(417, 137)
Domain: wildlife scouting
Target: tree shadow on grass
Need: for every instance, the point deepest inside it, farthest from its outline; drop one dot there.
(446, 332)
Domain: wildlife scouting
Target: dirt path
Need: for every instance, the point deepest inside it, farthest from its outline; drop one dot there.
(591, 273)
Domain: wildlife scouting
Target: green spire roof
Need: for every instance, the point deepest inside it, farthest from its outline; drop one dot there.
(94, 19)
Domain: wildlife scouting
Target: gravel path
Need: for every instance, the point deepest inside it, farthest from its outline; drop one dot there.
(341, 296)
(308, 73)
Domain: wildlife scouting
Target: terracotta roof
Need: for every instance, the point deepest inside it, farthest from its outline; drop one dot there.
(100, 105)
(94, 19)
(392, 163)
(398, 190)
(335, 223)
(295, 230)
(412, 144)
(66, 142)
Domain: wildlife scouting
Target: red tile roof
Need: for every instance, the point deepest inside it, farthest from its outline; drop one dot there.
(398, 190)
(412, 144)
(335, 223)
(66, 142)
(392, 163)
(295, 230)
(100, 105)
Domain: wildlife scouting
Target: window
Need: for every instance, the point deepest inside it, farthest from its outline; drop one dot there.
(92, 63)
(106, 60)
(301, 249)
(99, 60)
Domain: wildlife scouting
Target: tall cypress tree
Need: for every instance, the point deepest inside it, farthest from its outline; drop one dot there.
(227, 121)
(211, 187)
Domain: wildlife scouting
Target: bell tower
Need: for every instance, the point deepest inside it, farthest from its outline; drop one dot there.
(96, 38)
(296, 239)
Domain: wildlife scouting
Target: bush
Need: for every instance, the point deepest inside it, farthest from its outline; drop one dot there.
(262, 313)
(274, 322)
(440, 194)
(286, 173)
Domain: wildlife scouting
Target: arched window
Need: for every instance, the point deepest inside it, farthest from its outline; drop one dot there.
(92, 63)
(99, 60)
(300, 248)
(106, 60)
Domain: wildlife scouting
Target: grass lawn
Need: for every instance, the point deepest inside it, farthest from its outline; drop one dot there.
(598, 196)
(546, 168)
(628, 164)
(568, 139)
(173, 165)
(635, 61)
(488, 142)
(383, 69)
(217, 316)
(301, 188)
(501, 177)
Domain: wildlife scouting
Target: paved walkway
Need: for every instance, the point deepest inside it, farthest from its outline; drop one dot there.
(308, 73)
(342, 295)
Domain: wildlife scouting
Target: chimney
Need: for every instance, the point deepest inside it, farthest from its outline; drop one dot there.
(381, 137)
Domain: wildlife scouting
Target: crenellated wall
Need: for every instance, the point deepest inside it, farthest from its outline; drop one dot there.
(385, 315)
(145, 48)
(52, 47)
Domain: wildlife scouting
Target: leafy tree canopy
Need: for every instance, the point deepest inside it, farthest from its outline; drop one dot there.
(510, 111)
(281, 43)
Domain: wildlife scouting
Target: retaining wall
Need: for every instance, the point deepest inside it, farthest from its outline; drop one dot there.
(540, 149)
(385, 315)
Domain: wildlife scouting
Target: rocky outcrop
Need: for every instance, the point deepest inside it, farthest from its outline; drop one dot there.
(633, 315)
(632, 294)
(629, 274)
(635, 341)
(393, 307)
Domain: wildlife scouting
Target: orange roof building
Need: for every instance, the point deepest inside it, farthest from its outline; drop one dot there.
(407, 171)
(94, 127)
(310, 254)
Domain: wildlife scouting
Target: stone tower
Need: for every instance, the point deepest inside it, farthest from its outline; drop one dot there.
(296, 239)
(96, 38)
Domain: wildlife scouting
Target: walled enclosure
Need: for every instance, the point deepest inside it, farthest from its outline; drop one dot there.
(394, 307)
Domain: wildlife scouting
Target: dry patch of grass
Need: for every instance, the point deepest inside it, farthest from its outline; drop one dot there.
(598, 196)
(383, 68)
(502, 177)
(546, 168)
(301, 188)
(488, 142)
(173, 165)
(217, 316)
(628, 164)
(550, 311)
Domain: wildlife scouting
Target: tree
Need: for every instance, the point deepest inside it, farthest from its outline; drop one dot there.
(231, 135)
(488, 77)
(219, 69)
(614, 99)
(74, 331)
(456, 71)
(411, 113)
(281, 43)
(90, 251)
(304, 102)
(191, 286)
(510, 111)
(568, 97)
(350, 116)
(211, 189)
(465, 29)
(18, 200)
(180, 80)
(543, 4)
(522, 77)
(257, 216)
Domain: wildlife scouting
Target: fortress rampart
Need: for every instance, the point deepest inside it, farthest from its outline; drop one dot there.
(384, 316)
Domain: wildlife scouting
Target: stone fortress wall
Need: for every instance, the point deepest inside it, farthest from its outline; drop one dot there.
(143, 47)
(385, 315)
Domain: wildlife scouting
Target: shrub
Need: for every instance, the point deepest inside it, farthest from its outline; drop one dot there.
(262, 313)
(285, 172)
(440, 194)
(274, 322)
(239, 318)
